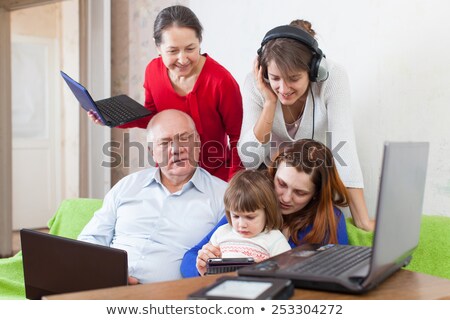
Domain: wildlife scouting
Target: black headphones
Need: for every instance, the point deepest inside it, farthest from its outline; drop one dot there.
(318, 69)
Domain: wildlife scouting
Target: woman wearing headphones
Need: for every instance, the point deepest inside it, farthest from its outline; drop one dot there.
(294, 93)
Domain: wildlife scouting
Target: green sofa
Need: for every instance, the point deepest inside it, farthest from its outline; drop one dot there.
(431, 257)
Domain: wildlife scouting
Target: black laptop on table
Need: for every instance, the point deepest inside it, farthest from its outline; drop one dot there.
(112, 111)
(53, 265)
(356, 269)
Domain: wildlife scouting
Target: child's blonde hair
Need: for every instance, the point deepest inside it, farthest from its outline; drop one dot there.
(250, 190)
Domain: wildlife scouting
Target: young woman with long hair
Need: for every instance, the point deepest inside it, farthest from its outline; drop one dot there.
(309, 192)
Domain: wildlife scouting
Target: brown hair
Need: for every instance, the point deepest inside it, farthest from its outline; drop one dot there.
(179, 16)
(304, 25)
(316, 160)
(288, 54)
(250, 190)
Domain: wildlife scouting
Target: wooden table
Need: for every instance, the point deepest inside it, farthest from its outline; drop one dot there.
(403, 285)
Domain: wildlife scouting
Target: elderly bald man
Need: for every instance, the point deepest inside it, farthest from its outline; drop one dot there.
(157, 214)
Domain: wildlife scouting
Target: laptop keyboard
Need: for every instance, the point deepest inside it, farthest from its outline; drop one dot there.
(333, 261)
(115, 110)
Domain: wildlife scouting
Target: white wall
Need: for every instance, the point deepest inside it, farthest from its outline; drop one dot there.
(396, 55)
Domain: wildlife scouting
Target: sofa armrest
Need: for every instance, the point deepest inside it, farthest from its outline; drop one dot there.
(72, 215)
(68, 221)
(432, 255)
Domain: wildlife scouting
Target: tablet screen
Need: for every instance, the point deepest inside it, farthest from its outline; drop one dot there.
(239, 289)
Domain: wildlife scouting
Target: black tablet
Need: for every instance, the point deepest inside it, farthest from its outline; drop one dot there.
(246, 288)
(221, 265)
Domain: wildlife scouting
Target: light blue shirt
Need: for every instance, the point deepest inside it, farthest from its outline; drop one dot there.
(154, 226)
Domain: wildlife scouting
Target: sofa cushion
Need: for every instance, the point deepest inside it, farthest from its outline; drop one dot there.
(432, 256)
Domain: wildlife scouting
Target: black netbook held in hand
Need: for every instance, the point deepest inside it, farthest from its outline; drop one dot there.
(112, 111)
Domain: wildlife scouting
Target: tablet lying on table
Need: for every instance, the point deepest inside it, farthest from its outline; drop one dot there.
(246, 288)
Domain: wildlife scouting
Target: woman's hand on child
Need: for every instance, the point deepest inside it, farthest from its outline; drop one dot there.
(206, 252)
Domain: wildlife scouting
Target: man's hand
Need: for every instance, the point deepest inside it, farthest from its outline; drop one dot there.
(132, 280)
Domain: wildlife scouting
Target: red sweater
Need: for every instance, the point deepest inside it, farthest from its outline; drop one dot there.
(215, 105)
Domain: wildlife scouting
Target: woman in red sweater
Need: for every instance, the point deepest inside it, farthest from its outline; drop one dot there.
(182, 78)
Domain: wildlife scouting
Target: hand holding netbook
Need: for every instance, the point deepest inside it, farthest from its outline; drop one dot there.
(95, 117)
(112, 111)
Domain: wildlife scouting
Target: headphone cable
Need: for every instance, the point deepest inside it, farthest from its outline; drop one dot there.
(314, 111)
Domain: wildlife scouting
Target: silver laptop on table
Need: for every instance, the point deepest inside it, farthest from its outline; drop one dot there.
(358, 269)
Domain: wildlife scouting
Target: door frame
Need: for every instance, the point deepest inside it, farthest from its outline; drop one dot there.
(5, 136)
(95, 43)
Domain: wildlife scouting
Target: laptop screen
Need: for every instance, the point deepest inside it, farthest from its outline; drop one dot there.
(82, 95)
(400, 201)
